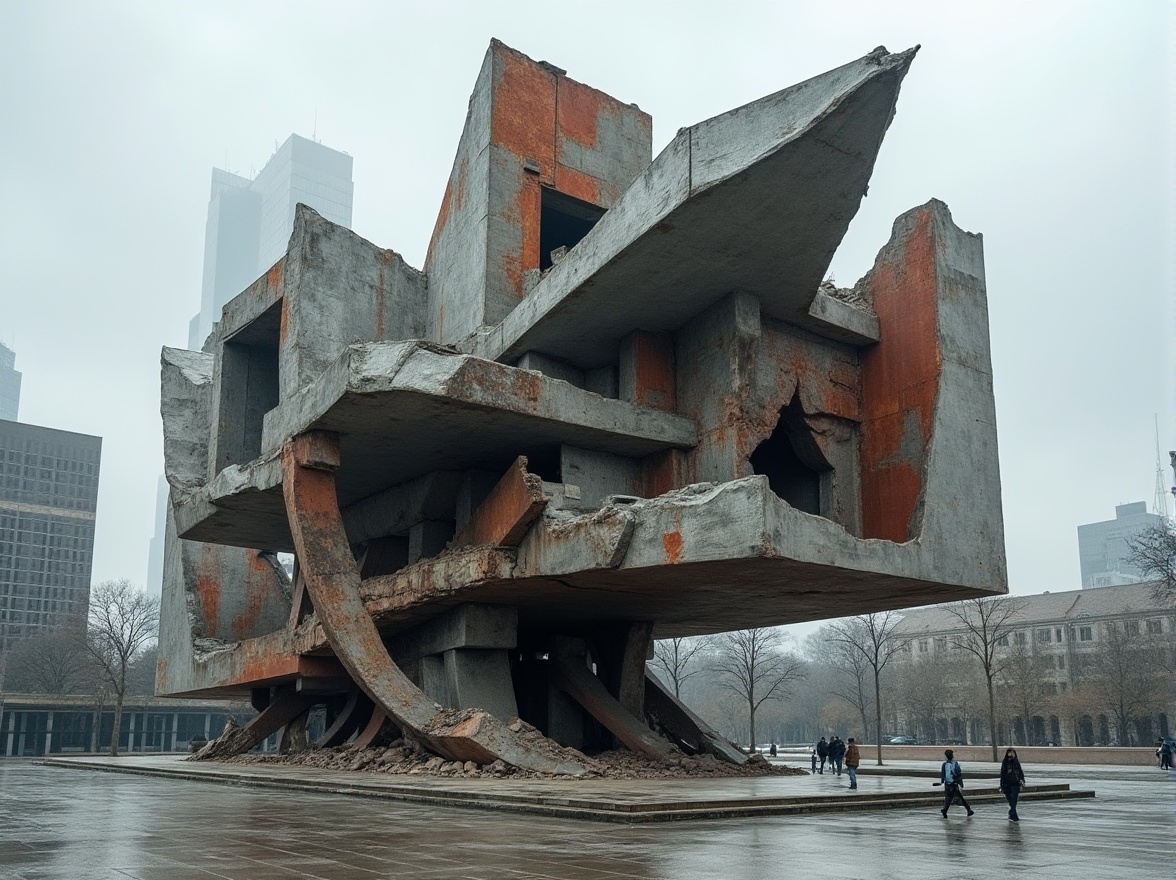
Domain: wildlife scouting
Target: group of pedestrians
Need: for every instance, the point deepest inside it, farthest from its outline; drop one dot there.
(951, 775)
(834, 751)
(1012, 780)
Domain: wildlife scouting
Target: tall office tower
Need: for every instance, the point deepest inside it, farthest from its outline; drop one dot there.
(1103, 547)
(48, 497)
(9, 384)
(249, 221)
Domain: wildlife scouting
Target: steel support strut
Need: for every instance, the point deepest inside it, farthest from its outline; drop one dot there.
(332, 580)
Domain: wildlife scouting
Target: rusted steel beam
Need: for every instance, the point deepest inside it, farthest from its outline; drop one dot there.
(681, 724)
(294, 739)
(355, 712)
(284, 708)
(508, 511)
(586, 689)
(332, 580)
(375, 723)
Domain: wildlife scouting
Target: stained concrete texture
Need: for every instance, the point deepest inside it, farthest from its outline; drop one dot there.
(60, 823)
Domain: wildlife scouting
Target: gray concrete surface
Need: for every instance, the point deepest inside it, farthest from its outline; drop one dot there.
(59, 823)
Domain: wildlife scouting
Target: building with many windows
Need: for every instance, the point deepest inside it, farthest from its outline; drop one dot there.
(48, 500)
(9, 384)
(1104, 547)
(1083, 667)
(249, 221)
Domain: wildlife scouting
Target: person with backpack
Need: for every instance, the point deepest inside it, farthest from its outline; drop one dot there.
(1011, 780)
(852, 759)
(952, 779)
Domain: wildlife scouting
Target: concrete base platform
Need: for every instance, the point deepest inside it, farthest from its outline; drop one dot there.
(601, 800)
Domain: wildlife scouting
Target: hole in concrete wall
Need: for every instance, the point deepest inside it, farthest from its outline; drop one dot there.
(249, 386)
(792, 461)
(563, 222)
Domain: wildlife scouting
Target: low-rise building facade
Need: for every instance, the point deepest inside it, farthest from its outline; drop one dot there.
(1082, 667)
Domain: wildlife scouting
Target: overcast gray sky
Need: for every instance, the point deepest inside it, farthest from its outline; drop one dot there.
(1046, 126)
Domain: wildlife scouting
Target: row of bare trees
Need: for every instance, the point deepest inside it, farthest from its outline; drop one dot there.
(982, 673)
(110, 652)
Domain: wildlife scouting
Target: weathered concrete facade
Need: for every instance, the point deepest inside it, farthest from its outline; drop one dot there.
(618, 404)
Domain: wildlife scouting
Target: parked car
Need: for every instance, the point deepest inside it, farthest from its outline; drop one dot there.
(953, 741)
(904, 741)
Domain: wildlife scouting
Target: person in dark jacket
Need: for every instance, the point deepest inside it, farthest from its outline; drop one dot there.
(952, 778)
(1011, 780)
(837, 753)
(822, 753)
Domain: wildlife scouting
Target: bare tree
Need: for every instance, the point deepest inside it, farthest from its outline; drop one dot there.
(753, 665)
(124, 620)
(675, 656)
(986, 624)
(52, 662)
(871, 638)
(1153, 552)
(1021, 689)
(850, 673)
(1128, 679)
(923, 689)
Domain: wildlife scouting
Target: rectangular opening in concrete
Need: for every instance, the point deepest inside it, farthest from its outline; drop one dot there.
(248, 386)
(563, 222)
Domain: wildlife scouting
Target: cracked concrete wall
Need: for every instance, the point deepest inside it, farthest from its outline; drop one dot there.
(343, 289)
(528, 127)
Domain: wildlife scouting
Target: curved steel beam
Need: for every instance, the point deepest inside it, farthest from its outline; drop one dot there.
(332, 580)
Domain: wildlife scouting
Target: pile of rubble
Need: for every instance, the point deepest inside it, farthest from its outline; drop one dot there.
(402, 758)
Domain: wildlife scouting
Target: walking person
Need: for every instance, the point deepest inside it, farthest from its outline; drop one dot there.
(822, 753)
(1165, 753)
(852, 759)
(837, 752)
(1012, 778)
(952, 779)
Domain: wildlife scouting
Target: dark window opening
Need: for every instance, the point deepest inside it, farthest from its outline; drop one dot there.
(792, 461)
(563, 222)
(249, 387)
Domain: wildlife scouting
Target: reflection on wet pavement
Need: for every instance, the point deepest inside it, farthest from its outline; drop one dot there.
(59, 823)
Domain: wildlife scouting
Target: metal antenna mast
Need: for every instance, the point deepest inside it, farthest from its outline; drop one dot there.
(1160, 502)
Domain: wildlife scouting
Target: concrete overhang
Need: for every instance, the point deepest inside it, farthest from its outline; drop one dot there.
(406, 409)
(756, 200)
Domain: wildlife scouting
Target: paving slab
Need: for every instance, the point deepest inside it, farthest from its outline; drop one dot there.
(607, 800)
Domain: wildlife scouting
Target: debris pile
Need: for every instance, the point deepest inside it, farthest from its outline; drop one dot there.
(403, 759)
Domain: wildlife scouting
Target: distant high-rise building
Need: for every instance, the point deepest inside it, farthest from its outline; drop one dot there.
(48, 498)
(9, 384)
(1103, 547)
(249, 221)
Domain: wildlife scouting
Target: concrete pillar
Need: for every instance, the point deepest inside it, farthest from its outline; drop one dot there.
(645, 374)
(207, 725)
(9, 734)
(428, 538)
(130, 732)
(49, 732)
(481, 679)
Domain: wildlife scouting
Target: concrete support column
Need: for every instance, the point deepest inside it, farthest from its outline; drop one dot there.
(10, 734)
(130, 732)
(49, 732)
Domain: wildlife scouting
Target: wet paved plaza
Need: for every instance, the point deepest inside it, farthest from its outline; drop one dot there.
(65, 823)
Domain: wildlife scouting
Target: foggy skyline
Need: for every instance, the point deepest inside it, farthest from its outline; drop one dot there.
(1047, 127)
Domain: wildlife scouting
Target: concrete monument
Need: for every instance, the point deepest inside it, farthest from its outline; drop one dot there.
(620, 402)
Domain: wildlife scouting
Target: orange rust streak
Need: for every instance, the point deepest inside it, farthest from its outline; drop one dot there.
(580, 109)
(579, 185)
(900, 375)
(208, 589)
(672, 544)
(654, 371)
(523, 111)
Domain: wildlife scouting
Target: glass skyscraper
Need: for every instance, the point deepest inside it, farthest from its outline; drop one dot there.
(249, 221)
(48, 499)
